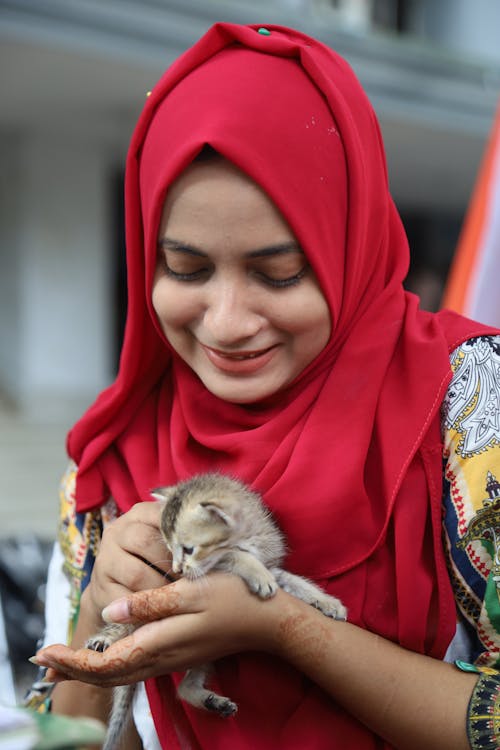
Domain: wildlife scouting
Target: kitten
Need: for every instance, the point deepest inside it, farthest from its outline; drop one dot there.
(213, 522)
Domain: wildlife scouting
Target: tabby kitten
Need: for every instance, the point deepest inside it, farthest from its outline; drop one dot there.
(214, 522)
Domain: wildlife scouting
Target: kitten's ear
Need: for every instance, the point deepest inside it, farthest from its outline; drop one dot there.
(218, 513)
(164, 494)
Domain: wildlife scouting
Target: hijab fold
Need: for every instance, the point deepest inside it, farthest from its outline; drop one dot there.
(338, 454)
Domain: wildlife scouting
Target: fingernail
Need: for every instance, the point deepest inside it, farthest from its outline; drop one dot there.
(34, 660)
(117, 611)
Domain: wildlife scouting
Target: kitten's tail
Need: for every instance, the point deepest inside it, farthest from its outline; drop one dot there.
(120, 715)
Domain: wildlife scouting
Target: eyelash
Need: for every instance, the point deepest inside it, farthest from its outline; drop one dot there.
(283, 283)
(195, 276)
(275, 283)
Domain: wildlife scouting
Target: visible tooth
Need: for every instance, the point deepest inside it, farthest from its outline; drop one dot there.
(241, 357)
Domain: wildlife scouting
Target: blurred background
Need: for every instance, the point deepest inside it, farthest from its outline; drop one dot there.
(73, 78)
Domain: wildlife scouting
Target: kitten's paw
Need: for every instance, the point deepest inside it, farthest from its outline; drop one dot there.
(220, 705)
(264, 584)
(107, 636)
(330, 607)
(98, 642)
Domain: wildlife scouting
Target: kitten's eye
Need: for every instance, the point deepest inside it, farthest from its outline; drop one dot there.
(188, 550)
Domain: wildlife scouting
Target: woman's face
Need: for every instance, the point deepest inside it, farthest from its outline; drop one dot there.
(233, 291)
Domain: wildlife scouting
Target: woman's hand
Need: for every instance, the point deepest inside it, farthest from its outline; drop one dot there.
(129, 549)
(179, 625)
(132, 557)
(186, 623)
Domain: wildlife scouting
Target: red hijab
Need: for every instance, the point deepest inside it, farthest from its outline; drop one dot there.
(348, 457)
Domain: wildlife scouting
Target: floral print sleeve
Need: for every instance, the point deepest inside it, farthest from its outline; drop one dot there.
(79, 538)
(471, 425)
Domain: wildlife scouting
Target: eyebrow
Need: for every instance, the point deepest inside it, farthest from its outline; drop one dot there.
(177, 246)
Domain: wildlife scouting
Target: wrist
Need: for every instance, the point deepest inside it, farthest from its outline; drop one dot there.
(303, 633)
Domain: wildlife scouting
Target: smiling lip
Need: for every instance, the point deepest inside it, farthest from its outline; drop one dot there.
(239, 363)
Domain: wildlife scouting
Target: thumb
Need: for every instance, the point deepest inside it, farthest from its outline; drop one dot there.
(145, 606)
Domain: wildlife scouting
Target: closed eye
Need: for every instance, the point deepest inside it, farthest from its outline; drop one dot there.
(278, 266)
(281, 283)
(197, 275)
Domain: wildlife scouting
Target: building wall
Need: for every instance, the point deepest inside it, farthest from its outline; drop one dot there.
(468, 26)
(56, 327)
(56, 284)
(10, 261)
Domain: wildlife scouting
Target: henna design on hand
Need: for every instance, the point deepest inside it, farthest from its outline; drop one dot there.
(147, 606)
(304, 638)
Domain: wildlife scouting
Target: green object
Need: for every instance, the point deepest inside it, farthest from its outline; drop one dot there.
(25, 729)
(264, 32)
(65, 733)
(466, 667)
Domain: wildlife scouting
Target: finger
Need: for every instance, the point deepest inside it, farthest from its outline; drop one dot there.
(147, 606)
(121, 568)
(104, 589)
(146, 512)
(136, 574)
(135, 534)
(122, 664)
(180, 597)
(86, 665)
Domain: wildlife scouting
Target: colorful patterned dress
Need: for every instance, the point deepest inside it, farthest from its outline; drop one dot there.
(471, 423)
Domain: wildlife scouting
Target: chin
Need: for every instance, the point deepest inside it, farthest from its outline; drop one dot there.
(237, 398)
(242, 394)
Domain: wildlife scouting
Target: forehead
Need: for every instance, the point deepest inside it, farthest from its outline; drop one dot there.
(215, 196)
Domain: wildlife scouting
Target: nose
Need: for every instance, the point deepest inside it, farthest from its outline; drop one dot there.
(231, 313)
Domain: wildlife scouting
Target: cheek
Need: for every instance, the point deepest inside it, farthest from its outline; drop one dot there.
(315, 312)
(306, 316)
(173, 307)
(314, 333)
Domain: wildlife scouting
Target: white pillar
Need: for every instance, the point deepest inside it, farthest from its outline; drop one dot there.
(468, 26)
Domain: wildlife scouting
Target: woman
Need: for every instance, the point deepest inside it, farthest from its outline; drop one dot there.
(269, 337)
